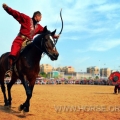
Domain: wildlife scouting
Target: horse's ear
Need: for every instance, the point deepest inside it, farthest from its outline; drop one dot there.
(53, 33)
(45, 29)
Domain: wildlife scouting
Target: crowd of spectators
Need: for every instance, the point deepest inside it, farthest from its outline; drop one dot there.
(82, 82)
(65, 81)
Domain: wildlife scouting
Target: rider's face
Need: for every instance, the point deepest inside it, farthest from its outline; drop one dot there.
(38, 18)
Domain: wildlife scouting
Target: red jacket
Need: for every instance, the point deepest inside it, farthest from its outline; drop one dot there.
(27, 27)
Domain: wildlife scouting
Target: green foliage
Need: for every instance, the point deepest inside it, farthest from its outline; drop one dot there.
(69, 77)
(55, 76)
(96, 77)
(43, 74)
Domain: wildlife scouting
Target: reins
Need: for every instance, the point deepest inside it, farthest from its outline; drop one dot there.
(39, 47)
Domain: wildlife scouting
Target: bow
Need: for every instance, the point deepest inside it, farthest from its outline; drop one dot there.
(62, 24)
(62, 21)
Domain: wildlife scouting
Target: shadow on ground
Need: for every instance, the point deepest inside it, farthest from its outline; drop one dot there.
(14, 112)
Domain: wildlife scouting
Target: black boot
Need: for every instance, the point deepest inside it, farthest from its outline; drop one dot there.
(9, 73)
(12, 60)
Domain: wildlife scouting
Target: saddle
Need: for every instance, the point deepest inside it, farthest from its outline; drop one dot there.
(25, 43)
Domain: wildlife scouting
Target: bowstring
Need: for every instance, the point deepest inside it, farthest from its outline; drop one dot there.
(56, 21)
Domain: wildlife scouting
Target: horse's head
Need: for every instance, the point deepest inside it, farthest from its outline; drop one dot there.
(47, 44)
(50, 48)
(114, 77)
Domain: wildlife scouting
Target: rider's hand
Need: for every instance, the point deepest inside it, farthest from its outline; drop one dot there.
(57, 36)
(4, 6)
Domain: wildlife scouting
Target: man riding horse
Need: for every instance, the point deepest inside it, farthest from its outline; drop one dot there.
(27, 65)
(29, 28)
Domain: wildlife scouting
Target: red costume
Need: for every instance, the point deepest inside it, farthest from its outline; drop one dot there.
(27, 29)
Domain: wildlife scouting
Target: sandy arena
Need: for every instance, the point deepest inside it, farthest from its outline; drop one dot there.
(64, 102)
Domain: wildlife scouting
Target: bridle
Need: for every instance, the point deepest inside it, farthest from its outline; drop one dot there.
(41, 45)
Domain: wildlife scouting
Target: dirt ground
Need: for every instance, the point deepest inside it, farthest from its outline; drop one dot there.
(64, 102)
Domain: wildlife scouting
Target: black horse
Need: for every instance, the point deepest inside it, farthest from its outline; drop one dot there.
(27, 66)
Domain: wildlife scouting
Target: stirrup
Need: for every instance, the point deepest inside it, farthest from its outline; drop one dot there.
(8, 73)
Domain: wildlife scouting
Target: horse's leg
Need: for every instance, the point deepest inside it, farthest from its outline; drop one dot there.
(9, 86)
(29, 89)
(4, 93)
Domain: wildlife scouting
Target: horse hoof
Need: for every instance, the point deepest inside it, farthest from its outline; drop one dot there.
(26, 109)
(20, 108)
(24, 113)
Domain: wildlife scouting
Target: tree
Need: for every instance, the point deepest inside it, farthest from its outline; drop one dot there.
(56, 77)
(69, 77)
(96, 77)
(43, 74)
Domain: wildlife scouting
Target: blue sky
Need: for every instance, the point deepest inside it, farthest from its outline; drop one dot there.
(91, 34)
